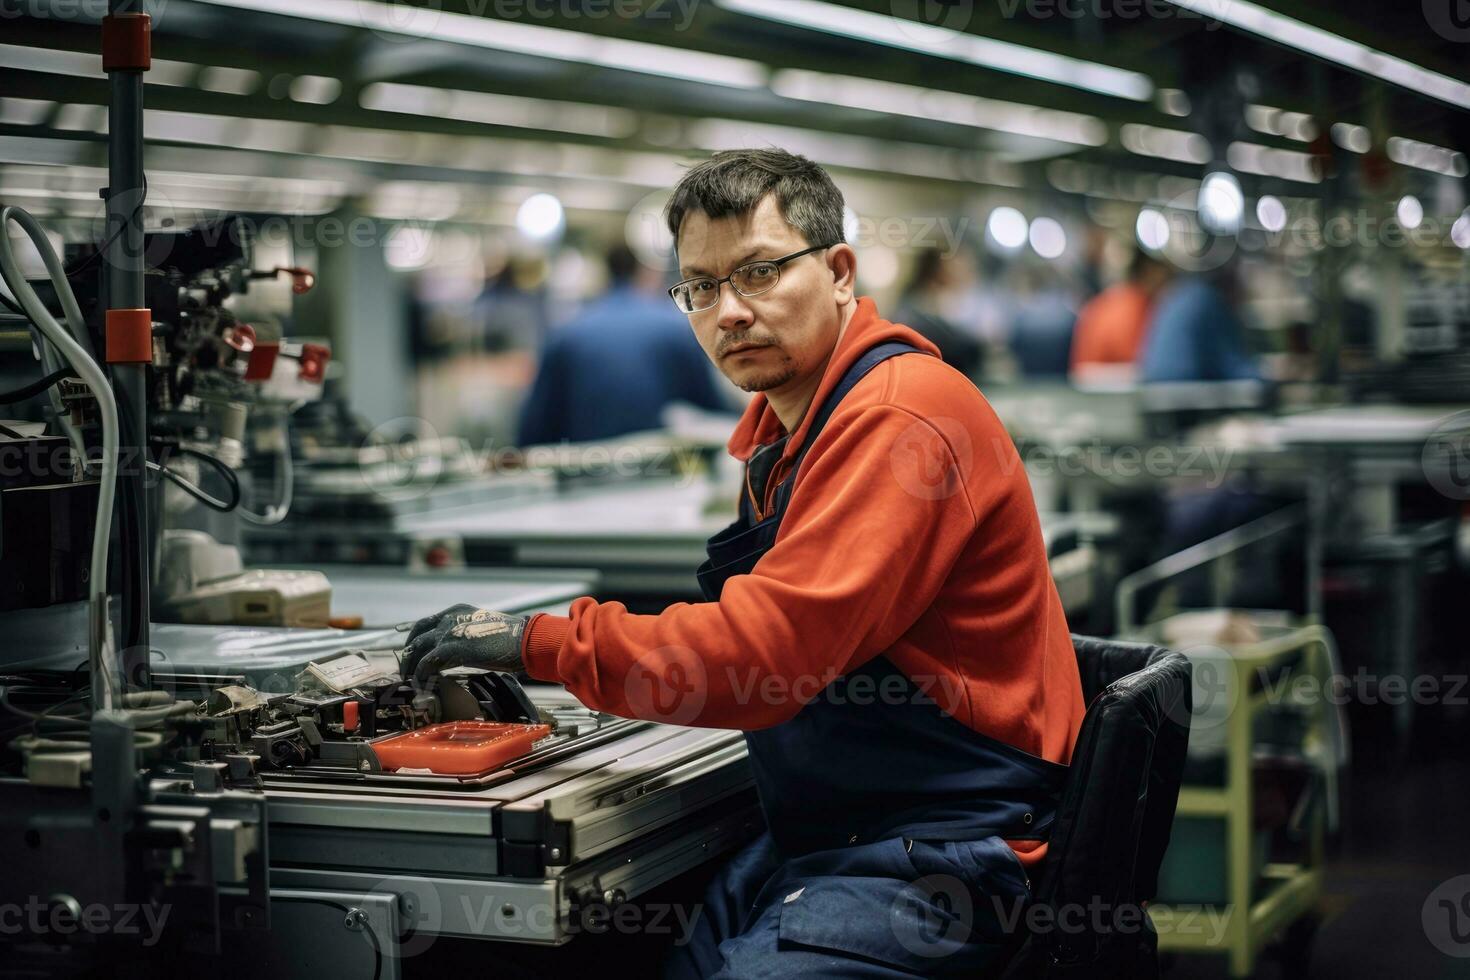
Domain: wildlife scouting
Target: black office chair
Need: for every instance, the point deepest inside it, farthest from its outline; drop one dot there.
(1113, 823)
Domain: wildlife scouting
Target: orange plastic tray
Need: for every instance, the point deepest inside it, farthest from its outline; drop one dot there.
(459, 748)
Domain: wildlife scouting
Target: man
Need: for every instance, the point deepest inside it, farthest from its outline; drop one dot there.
(1196, 335)
(1113, 325)
(881, 621)
(630, 341)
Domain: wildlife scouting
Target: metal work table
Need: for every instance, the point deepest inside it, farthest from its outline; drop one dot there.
(646, 537)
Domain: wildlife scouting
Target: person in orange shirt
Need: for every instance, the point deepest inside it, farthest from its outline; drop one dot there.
(880, 621)
(1113, 325)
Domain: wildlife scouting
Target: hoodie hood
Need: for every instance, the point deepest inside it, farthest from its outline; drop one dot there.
(759, 425)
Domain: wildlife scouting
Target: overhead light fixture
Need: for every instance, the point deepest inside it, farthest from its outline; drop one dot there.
(1221, 203)
(1279, 122)
(1308, 39)
(1166, 144)
(1427, 156)
(529, 39)
(1271, 213)
(1352, 137)
(1006, 228)
(1152, 229)
(1172, 101)
(893, 98)
(1048, 238)
(1267, 161)
(1409, 212)
(943, 42)
(408, 247)
(1460, 230)
(540, 217)
(517, 111)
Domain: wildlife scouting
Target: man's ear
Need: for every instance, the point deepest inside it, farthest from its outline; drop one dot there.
(842, 260)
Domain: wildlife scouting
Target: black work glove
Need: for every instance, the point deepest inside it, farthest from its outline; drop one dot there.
(463, 636)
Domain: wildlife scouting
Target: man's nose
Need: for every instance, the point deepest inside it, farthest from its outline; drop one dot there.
(734, 312)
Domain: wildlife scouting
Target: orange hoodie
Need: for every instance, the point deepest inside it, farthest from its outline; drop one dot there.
(912, 531)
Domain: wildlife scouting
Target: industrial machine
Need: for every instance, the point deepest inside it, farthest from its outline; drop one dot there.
(177, 794)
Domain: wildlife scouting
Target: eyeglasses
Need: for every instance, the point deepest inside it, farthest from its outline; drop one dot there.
(703, 292)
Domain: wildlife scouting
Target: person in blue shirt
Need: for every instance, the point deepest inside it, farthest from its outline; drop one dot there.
(613, 368)
(1195, 336)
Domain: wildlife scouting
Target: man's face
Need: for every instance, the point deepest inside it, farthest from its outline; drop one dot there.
(778, 338)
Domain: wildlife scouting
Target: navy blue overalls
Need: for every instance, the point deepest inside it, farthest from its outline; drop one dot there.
(885, 852)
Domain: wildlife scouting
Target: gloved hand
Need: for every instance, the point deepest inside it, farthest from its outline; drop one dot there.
(463, 636)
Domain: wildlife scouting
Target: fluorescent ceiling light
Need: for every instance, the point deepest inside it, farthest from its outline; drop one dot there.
(1352, 137)
(1256, 19)
(500, 110)
(529, 39)
(950, 107)
(1166, 144)
(942, 42)
(1427, 156)
(1252, 158)
(1279, 122)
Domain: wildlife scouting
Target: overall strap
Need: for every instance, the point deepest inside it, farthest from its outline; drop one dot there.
(860, 368)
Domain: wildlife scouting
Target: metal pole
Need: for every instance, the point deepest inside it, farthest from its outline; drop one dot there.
(125, 58)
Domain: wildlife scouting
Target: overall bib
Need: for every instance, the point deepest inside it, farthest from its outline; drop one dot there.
(886, 816)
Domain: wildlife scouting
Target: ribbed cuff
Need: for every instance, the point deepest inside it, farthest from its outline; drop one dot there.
(541, 643)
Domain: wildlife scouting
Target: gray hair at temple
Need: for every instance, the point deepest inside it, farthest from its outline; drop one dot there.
(734, 182)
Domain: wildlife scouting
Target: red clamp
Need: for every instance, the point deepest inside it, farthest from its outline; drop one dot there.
(129, 336)
(314, 358)
(127, 42)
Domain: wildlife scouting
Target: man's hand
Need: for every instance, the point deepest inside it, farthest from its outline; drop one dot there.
(463, 636)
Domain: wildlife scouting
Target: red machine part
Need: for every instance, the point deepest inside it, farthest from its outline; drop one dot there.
(129, 336)
(262, 362)
(459, 748)
(127, 42)
(314, 358)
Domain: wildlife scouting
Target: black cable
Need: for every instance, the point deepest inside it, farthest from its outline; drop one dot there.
(367, 929)
(35, 387)
(222, 506)
(102, 249)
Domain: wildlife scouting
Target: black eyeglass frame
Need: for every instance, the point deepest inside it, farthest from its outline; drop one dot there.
(778, 263)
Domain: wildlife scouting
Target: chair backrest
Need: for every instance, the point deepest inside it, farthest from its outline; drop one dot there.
(1117, 808)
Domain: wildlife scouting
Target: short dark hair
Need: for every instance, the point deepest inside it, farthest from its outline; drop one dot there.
(736, 181)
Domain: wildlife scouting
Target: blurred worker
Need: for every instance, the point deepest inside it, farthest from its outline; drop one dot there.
(1112, 325)
(880, 621)
(1196, 335)
(934, 296)
(615, 367)
(1044, 318)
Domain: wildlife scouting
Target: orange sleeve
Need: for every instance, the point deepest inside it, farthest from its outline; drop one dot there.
(861, 555)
